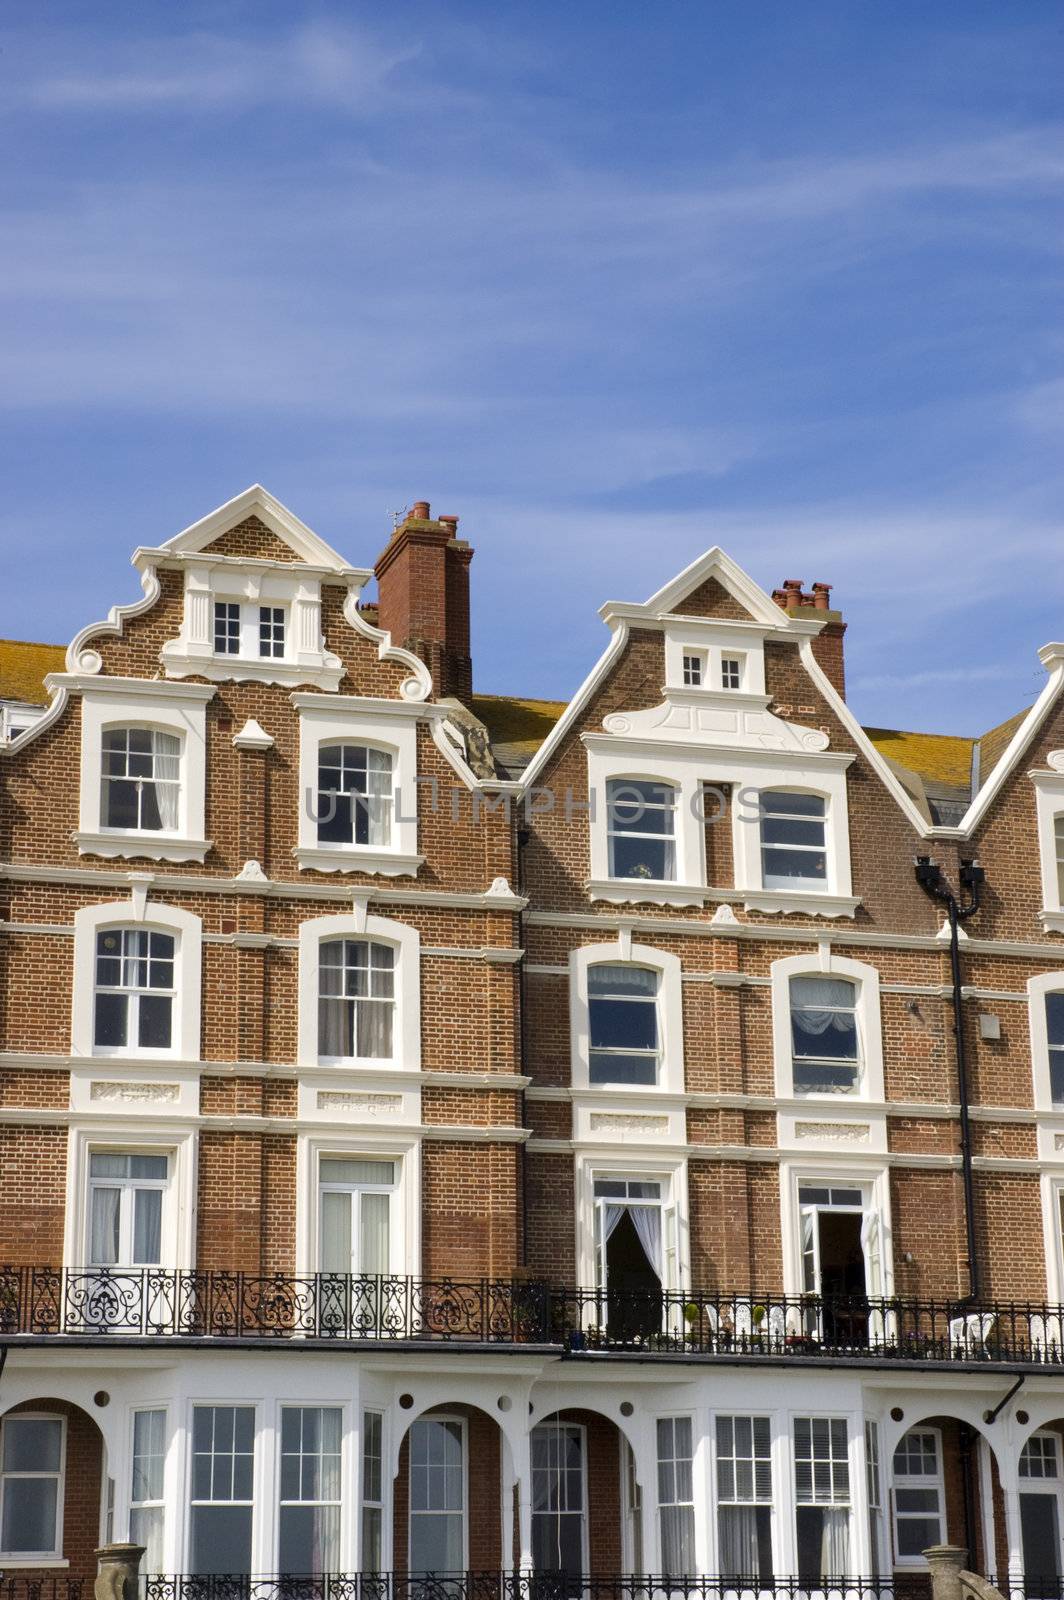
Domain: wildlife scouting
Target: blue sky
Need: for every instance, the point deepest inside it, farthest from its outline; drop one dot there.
(612, 282)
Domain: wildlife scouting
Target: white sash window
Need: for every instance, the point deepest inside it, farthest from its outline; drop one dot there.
(146, 1494)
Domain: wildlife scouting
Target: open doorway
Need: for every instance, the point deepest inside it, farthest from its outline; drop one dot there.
(633, 1228)
(840, 1259)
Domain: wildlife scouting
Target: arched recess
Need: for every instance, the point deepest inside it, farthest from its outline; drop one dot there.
(469, 1441)
(973, 1510)
(73, 1500)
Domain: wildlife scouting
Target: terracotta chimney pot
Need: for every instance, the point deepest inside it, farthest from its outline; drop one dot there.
(420, 510)
(822, 596)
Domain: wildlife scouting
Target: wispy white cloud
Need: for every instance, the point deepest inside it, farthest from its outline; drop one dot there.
(325, 63)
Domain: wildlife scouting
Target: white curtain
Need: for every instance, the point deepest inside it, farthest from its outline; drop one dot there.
(103, 1241)
(809, 995)
(373, 1023)
(378, 799)
(647, 1223)
(870, 1235)
(166, 749)
(335, 1231)
(835, 1542)
(147, 1227)
(373, 1233)
(739, 1556)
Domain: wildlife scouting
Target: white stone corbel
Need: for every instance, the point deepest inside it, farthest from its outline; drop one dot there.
(253, 736)
(139, 884)
(360, 909)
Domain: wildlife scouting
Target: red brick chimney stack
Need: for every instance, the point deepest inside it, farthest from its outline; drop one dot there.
(827, 646)
(423, 587)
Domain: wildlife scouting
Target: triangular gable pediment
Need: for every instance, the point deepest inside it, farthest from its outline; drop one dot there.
(245, 525)
(715, 585)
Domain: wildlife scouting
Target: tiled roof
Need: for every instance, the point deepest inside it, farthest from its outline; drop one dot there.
(942, 758)
(992, 745)
(516, 727)
(23, 667)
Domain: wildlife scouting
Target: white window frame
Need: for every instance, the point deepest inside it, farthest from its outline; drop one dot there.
(128, 1188)
(179, 709)
(852, 1504)
(777, 1476)
(38, 1558)
(365, 1502)
(1037, 989)
(134, 993)
(225, 1402)
(463, 1422)
(148, 1505)
(406, 1026)
(728, 661)
(341, 1502)
(694, 668)
(937, 1481)
(691, 769)
(671, 1173)
(179, 1201)
(715, 639)
(580, 1428)
(250, 616)
(187, 931)
(387, 725)
(393, 1190)
(670, 1015)
(628, 787)
(674, 1417)
(1049, 805)
(405, 1220)
(293, 586)
(869, 1027)
(874, 1184)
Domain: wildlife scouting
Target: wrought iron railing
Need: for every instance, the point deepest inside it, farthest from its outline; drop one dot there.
(338, 1307)
(510, 1586)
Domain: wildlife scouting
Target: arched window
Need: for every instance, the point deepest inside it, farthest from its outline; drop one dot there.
(141, 780)
(641, 829)
(825, 1041)
(793, 840)
(625, 1034)
(354, 795)
(356, 1000)
(134, 990)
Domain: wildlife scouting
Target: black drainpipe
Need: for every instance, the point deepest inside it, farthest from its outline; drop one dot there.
(972, 877)
(523, 836)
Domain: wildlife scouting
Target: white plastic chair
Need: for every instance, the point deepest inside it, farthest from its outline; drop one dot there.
(968, 1334)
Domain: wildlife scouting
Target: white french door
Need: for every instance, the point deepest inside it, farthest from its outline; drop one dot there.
(355, 1229)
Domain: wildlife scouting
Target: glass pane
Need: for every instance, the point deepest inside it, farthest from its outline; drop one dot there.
(309, 1539)
(335, 1231)
(29, 1515)
(374, 1248)
(1055, 1018)
(623, 1024)
(778, 801)
(641, 858)
(147, 1227)
(155, 1014)
(342, 1169)
(619, 1068)
(783, 866)
(149, 1447)
(146, 1528)
(603, 979)
(148, 1166)
(221, 1539)
(110, 1028)
(32, 1444)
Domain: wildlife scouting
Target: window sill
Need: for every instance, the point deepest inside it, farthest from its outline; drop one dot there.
(1052, 921)
(153, 846)
(783, 902)
(645, 891)
(36, 1563)
(321, 670)
(358, 858)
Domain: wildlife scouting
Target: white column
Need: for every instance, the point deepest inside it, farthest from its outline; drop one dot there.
(522, 1471)
(507, 1520)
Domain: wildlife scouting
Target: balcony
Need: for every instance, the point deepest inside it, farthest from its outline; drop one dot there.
(501, 1586)
(332, 1309)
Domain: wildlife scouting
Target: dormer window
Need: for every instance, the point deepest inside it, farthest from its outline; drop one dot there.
(642, 826)
(731, 672)
(249, 630)
(694, 669)
(793, 840)
(141, 779)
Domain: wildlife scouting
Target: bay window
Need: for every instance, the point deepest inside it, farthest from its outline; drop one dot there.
(822, 1498)
(310, 1490)
(625, 1045)
(641, 829)
(676, 1500)
(134, 990)
(146, 1494)
(356, 999)
(141, 780)
(31, 1485)
(354, 795)
(222, 1498)
(744, 1498)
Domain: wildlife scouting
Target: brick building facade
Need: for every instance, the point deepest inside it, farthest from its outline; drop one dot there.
(442, 1132)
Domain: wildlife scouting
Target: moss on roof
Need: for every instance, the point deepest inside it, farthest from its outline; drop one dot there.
(23, 667)
(936, 757)
(993, 743)
(515, 722)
